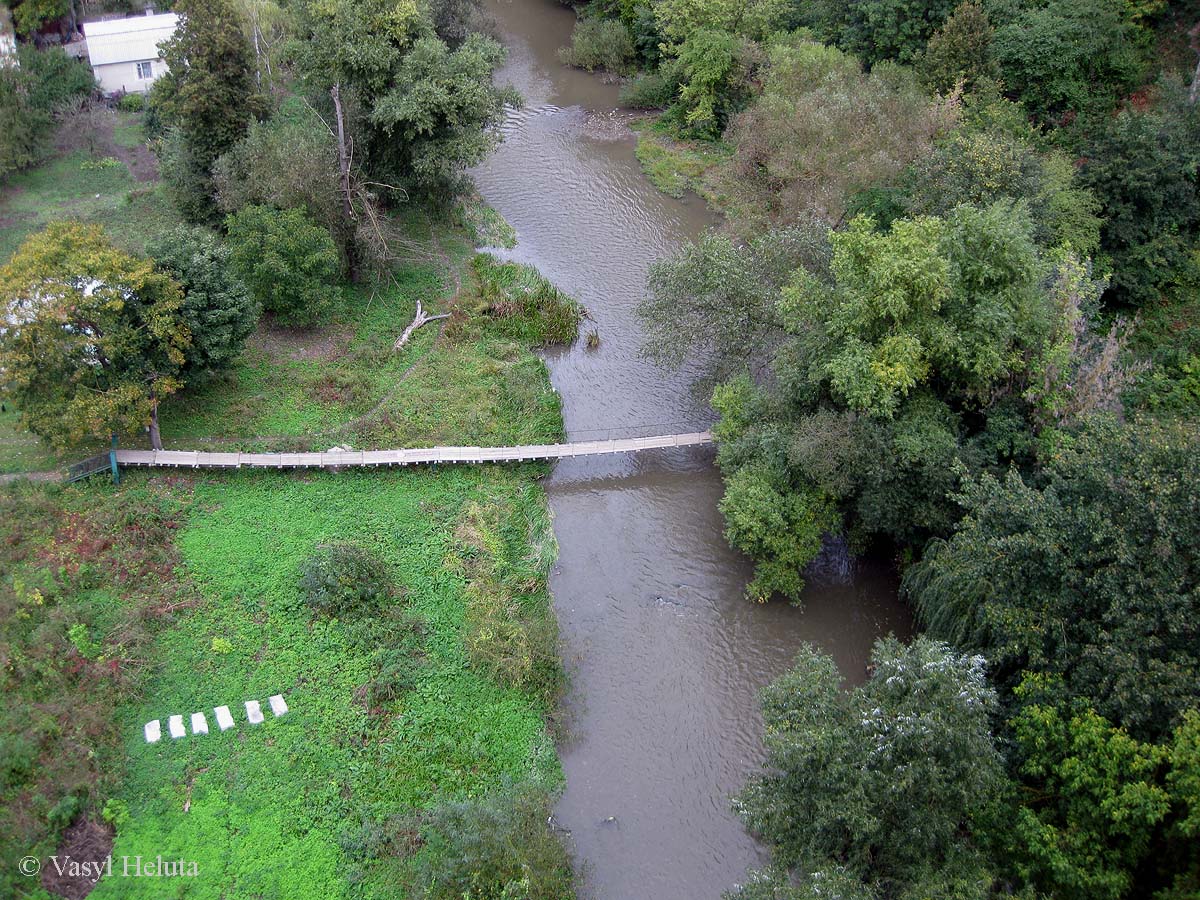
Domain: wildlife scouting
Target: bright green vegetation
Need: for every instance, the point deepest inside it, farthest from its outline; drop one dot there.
(285, 807)
(677, 165)
(63, 188)
(344, 383)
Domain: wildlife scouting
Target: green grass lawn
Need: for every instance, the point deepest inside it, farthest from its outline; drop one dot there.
(268, 810)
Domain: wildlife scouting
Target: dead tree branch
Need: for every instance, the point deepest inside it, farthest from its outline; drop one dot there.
(421, 318)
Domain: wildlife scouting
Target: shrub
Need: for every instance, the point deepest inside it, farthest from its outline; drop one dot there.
(56, 79)
(497, 847)
(217, 307)
(288, 261)
(599, 44)
(652, 90)
(132, 103)
(345, 579)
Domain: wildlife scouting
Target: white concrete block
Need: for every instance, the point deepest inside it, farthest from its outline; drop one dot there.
(278, 706)
(254, 712)
(199, 723)
(175, 726)
(224, 717)
(153, 732)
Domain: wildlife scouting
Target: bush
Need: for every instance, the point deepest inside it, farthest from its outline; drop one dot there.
(56, 79)
(345, 579)
(497, 847)
(30, 94)
(132, 103)
(599, 44)
(217, 307)
(288, 261)
(652, 90)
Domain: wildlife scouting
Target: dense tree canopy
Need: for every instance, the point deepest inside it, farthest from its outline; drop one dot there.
(1144, 166)
(821, 129)
(1093, 576)
(419, 112)
(217, 309)
(1071, 56)
(94, 338)
(883, 782)
(288, 261)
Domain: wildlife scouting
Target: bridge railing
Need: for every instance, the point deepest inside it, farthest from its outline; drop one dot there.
(628, 432)
(93, 465)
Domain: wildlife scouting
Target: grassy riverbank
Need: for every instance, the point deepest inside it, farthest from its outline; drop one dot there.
(676, 165)
(175, 593)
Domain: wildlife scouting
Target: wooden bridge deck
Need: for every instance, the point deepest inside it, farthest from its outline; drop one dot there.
(198, 459)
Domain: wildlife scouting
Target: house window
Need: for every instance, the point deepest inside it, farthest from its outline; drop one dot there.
(145, 70)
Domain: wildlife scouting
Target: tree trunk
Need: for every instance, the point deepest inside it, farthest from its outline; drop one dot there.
(257, 55)
(343, 153)
(1194, 34)
(344, 172)
(155, 436)
(418, 320)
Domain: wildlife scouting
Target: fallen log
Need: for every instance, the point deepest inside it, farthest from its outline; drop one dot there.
(418, 320)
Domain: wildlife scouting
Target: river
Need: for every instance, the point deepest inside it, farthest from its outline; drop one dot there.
(666, 656)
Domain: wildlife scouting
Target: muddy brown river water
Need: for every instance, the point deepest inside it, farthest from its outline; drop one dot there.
(666, 657)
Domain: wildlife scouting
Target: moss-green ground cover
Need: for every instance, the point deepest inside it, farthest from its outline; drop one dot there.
(265, 811)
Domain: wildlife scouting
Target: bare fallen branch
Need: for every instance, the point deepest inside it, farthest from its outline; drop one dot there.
(418, 320)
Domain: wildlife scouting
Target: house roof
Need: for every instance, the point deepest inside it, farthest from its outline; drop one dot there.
(128, 40)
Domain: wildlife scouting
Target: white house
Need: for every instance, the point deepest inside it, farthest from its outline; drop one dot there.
(124, 52)
(8, 38)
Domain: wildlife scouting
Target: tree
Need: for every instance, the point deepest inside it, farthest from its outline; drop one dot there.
(678, 20)
(22, 125)
(94, 339)
(780, 526)
(713, 81)
(821, 130)
(884, 782)
(878, 30)
(208, 94)
(288, 261)
(45, 84)
(980, 164)
(437, 115)
(1092, 577)
(1093, 803)
(288, 161)
(959, 51)
(418, 113)
(30, 15)
(1071, 56)
(217, 309)
(952, 301)
(1144, 168)
(719, 300)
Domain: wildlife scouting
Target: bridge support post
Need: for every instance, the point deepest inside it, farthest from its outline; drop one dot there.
(112, 461)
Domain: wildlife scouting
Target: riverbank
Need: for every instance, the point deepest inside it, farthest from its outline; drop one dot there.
(410, 734)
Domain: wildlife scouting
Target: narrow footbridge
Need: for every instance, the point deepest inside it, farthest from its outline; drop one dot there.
(338, 458)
